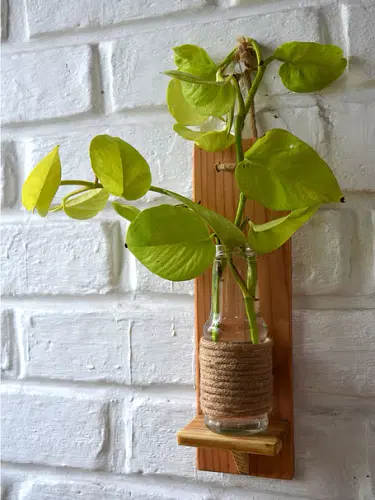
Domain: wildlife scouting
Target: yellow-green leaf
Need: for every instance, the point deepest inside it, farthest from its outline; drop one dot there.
(284, 173)
(195, 60)
(264, 238)
(171, 241)
(128, 212)
(209, 141)
(179, 108)
(42, 184)
(120, 168)
(86, 205)
(136, 172)
(208, 99)
(309, 66)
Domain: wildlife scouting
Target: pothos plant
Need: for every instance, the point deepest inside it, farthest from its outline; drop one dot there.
(280, 171)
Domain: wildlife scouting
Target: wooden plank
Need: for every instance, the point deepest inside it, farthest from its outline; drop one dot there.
(265, 443)
(218, 191)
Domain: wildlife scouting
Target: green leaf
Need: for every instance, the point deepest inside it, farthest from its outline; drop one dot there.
(126, 211)
(309, 66)
(106, 163)
(264, 238)
(215, 141)
(195, 60)
(209, 141)
(188, 77)
(179, 108)
(228, 233)
(284, 173)
(42, 184)
(86, 205)
(210, 99)
(172, 242)
(137, 175)
(120, 168)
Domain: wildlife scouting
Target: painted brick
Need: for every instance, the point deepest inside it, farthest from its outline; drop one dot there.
(94, 346)
(335, 353)
(322, 253)
(67, 258)
(57, 428)
(305, 123)
(71, 490)
(138, 61)
(4, 19)
(53, 83)
(323, 467)
(8, 340)
(155, 423)
(8, 175)
(50, 17)
(158, 341)
(169, 156)
(361, 37)
(352, 150)
(145, 281)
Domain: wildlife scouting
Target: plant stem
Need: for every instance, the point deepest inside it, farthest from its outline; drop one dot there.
(249, 303)
(74, 182)
(215, 301)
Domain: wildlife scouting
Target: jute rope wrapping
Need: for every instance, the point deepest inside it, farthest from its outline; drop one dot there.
(235, 378)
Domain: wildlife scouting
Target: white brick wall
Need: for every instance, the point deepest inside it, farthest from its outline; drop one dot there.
(96, 353)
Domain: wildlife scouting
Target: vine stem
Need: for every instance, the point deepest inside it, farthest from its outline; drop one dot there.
(76, 182)
(248, 301)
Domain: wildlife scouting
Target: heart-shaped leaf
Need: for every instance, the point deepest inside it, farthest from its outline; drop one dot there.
(195, 60)
(120, 168)
(309, 66)
(137, 175)
(172, 242)
(209, 141)
(86, 205)
(42, 183)
(228, 233)
(179, 108)
(264, 238)
(209, 99)
(284, 173)
(128, 212)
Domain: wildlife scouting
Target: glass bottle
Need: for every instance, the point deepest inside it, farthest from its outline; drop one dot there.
(229, 322)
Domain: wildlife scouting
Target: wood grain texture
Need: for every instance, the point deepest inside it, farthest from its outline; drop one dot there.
(218, 191)
(265, 443)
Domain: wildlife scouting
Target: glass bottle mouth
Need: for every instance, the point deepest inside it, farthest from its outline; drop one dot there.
(223, 252)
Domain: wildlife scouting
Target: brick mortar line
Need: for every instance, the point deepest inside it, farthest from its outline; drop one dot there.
(205, 15)
(139, 483)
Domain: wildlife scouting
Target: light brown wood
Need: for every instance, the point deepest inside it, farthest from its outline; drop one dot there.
(218, 191)
(265, 443)
(242, 462)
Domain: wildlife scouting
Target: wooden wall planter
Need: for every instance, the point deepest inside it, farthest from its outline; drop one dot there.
(268, 454)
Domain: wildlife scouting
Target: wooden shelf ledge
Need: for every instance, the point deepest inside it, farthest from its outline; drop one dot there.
(268, 443)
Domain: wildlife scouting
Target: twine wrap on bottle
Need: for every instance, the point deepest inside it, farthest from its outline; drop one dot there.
(235, 378)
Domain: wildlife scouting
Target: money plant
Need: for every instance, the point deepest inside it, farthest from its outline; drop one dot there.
(279, 171)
